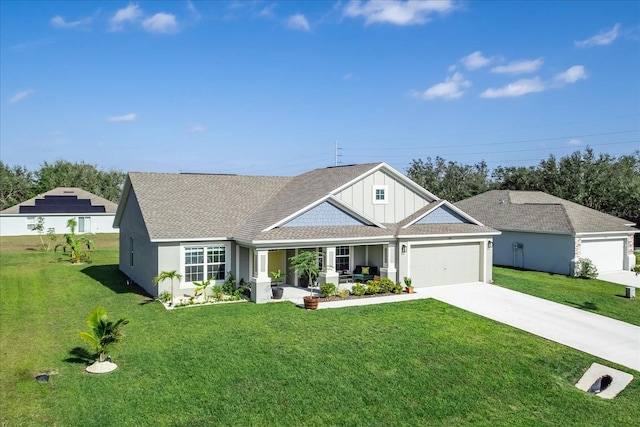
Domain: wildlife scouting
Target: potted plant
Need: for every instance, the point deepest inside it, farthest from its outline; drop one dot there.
(305, 264)
(276, 289)
(407, 284)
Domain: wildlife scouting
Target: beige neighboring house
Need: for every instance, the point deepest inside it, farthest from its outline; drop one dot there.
(358, 216)
(94, 214)
(546, 233)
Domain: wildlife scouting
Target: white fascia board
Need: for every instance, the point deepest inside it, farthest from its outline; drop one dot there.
(311, 242)
(350, 211)
(471, 235)
(318, 202)
(199, 239)
(560, 233)
(24, 215)
(395, 173)
(295, 214)
(600, 234)
(452, 207)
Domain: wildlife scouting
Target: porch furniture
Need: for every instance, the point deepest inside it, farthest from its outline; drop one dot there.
(362, 273)
(345, 277)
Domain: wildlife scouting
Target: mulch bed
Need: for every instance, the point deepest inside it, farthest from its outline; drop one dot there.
(348, 297)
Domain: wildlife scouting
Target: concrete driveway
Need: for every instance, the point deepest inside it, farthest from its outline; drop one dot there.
(609, 339)
(626, 278)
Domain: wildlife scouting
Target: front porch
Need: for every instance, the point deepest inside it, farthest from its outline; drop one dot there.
(336, 264)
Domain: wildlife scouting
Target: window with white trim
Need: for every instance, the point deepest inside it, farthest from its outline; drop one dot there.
(31, 222)
(342, 258)
(380, 194)
(204, 263)
(84, 224)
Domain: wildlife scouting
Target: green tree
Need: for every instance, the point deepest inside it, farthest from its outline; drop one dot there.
(305, 265)
(102, 332)
(16, 185)
(63, 173)
(171, 275)
(75, 244)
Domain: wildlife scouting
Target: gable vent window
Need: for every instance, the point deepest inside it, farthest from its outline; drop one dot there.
(380, 194)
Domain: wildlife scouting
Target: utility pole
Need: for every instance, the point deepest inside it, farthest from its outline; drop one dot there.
(337, 148)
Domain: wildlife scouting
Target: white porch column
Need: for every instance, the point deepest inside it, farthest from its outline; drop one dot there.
(389, 267)
(329, 273)
(261, 284)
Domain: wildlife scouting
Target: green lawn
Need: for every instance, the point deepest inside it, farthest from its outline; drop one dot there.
(593, 295)
(414, 363)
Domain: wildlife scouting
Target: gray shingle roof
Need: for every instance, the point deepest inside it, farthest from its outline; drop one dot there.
(201, 206)
(538, 211)
(110, 207)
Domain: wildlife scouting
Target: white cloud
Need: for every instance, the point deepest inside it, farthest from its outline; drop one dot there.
(161, 23)
(519, 88)
(347, 76)
(131, 13)
(59, 22)
(267, 11)
(195, 13)
(603, 38)
(197, 129)
(451, 88)
(21, 95)
(397, 12)
(475, 61)
(298, 22)
(124, 118)
(574, 142)
(572, 75)
(519, 67)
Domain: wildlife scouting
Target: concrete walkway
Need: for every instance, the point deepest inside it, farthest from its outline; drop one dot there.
(625, 278)
(600, 336)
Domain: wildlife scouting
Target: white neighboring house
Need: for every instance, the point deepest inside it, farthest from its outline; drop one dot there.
(546, 233)
(94, 214)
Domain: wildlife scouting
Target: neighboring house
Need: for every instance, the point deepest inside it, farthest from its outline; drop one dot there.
(205, 225)
(546, 233)
(93, 214)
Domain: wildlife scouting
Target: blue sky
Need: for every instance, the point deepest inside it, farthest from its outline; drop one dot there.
(261, 87)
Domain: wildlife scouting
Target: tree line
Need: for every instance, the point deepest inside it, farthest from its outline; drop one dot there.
(18, 184)
(603, 182)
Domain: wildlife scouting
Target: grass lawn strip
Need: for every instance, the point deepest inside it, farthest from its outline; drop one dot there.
(412, 363)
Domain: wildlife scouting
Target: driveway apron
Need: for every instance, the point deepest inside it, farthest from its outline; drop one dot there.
(600, 336)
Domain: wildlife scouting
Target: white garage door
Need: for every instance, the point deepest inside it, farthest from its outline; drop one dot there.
(607, 255)
(433, 265)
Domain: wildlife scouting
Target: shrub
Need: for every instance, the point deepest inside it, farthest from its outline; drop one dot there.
(165, 296)
(229, 284)
(328, 289)
(358, 289)
(343, 293)
(386, 285)
(373, 287)
(397, 288)
(585, 269)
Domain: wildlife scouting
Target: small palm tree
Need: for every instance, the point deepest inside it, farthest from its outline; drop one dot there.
(203, 287)
(74, 243)
(102, 332)
(168, 275)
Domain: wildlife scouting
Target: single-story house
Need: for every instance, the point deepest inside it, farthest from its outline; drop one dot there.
(546, 233)
(94, 214)
(205, 225)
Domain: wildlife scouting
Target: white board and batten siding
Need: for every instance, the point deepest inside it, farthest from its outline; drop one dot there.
(401, 200)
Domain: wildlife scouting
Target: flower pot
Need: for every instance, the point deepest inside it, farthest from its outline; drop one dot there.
(311, 303)
(277, 292)
(409, 289)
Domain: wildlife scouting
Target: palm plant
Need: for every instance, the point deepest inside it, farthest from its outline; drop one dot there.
(171, 275)
(102, 332)
(74, 243)
(202, 286)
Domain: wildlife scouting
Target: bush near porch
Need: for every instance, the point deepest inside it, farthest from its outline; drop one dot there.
(413, 363)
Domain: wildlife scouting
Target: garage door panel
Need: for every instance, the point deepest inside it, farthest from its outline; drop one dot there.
(607, 255)
(433, 265)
